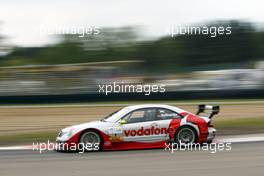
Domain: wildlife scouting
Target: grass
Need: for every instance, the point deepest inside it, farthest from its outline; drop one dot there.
(245, 122)
(240, 126)
(29, 137)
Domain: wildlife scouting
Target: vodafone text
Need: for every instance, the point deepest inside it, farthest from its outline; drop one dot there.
(148, 131)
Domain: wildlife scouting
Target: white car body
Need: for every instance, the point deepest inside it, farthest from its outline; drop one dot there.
(143, 134)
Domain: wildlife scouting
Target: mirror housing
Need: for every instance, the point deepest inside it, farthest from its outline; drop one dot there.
(122, 122)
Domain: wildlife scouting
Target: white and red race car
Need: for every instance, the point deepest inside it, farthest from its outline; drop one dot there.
(144, 126)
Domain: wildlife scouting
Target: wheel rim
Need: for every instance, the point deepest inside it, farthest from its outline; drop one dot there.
(90, 137)
(186, 136)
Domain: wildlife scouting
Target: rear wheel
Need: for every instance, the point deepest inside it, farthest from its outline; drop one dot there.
(91, 140)
(210, 141)
(185, 135)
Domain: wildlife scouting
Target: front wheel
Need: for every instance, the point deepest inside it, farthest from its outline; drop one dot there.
(185, 135)
(91, 140)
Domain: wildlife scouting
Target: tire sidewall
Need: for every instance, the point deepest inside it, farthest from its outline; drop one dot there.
(97, 133)
(176, 139)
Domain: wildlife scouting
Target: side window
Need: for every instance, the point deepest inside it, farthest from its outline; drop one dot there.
(141, 115)
(165, 114)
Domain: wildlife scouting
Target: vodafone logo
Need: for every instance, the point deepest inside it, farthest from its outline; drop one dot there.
(148, 131)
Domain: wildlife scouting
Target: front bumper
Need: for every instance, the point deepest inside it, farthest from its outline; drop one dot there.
(65, 142)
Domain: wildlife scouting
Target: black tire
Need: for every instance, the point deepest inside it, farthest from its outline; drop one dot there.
(92, 137)
(209, 142)
(185, 135)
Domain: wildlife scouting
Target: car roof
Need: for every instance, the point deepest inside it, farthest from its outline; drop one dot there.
(134, 107)
(128, 109)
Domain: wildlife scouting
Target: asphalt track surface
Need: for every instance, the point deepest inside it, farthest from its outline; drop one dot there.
(244, 159)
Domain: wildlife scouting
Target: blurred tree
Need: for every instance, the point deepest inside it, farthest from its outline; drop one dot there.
(259, 41)
(187, 52)
(180, 54)
(4, 47)
(109, 45)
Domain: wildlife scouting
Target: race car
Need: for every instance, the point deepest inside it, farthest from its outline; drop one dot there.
(143, 126)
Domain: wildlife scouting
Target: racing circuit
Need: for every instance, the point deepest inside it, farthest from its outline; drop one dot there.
(244, 159)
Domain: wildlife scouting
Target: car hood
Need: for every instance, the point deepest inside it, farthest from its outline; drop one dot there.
(93, 124)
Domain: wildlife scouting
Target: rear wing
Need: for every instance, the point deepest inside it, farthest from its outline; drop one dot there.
(213, 110)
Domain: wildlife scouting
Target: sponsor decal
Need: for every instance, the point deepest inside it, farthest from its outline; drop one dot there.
(148, 131)
(116, 138)
(115, 134)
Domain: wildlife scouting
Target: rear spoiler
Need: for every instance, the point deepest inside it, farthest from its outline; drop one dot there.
(213, 110)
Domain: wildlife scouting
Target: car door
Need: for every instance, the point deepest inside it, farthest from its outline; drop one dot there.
(143, 125)
(165, 117)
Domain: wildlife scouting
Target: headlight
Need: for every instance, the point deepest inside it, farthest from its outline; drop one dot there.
(60, 134)
(67, 133)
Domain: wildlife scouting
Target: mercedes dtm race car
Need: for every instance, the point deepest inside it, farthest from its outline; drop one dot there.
(143, 126)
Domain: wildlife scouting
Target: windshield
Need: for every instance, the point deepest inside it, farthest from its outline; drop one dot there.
(115, 116)
(109, 115)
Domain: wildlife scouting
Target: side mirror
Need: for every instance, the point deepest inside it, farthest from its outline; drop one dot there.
(122, 122)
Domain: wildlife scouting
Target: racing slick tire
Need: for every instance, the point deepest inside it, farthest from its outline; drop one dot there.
(209, 142)
(92, 139)
(185, 135)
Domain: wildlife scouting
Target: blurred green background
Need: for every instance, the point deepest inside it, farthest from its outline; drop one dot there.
(241, 49)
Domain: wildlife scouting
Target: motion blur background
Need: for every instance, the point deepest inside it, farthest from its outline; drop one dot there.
(50, 71)
(43, 51)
